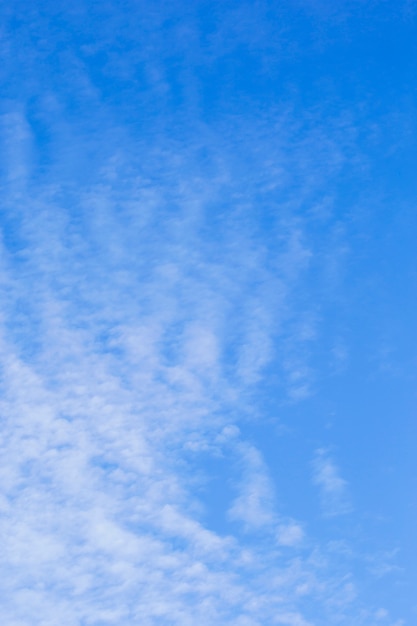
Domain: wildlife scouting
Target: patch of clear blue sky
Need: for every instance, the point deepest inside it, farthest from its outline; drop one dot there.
(326, 94)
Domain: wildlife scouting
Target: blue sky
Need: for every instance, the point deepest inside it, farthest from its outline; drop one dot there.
(208, 288)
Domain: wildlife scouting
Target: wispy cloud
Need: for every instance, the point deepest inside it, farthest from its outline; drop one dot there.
(334, 491)
(254, 505)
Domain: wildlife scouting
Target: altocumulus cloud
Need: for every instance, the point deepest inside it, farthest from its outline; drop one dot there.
(149, 286)
(119, 339)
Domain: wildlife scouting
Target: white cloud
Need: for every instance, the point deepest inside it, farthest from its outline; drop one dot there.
(290, 534)
(333, 488)
(254, 506)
